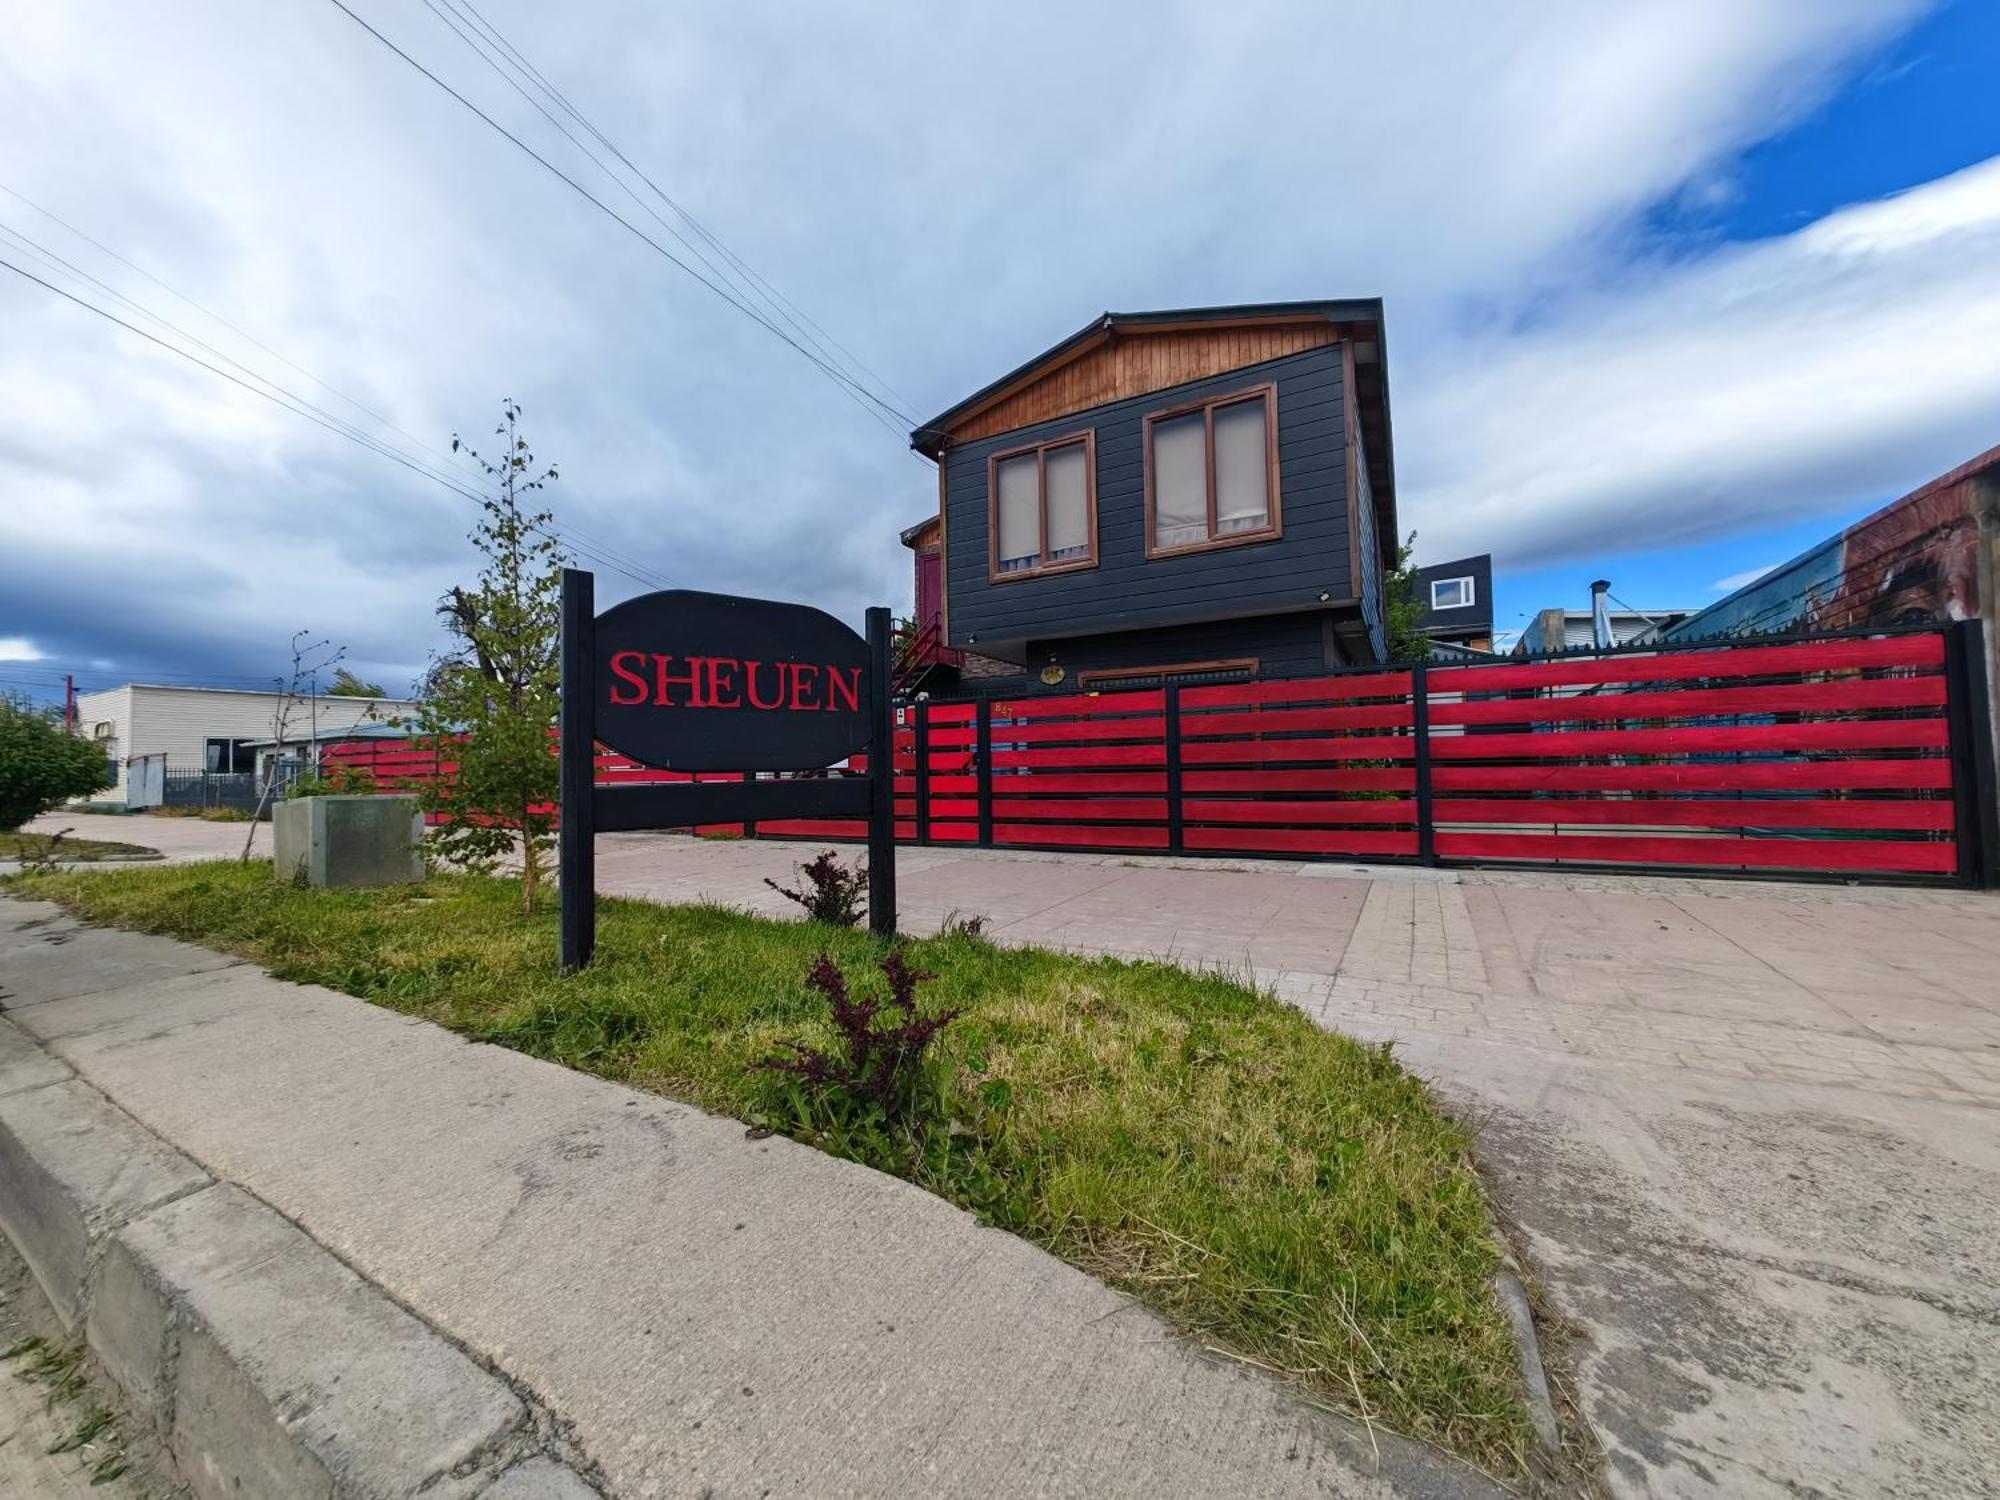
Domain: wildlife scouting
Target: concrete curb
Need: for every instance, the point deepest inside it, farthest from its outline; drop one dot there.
(266, 1365)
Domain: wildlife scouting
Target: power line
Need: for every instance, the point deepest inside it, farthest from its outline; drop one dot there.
(779, 303)
(845, 381)
(299, 406)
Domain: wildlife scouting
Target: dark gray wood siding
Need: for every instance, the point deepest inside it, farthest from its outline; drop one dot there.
(1284, 646)
(1128, 591)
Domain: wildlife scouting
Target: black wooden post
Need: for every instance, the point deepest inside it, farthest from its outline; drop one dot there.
(1976, 818)
(576, 850)
(882, 778)
(982, 766)
(1173, 751)
(920, 740)
(1420, 732)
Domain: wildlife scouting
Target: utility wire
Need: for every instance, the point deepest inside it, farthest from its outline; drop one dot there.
(747, 275)
(439, 472)
(845, 381)
(297, 405)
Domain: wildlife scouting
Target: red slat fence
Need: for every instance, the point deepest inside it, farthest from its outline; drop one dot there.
(1864, 756)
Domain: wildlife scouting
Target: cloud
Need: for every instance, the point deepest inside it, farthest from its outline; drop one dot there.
(1736, 581)
(1801, 376)
(18, 648)
(947, 193)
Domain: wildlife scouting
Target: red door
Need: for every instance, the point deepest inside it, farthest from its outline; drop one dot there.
(930, 590)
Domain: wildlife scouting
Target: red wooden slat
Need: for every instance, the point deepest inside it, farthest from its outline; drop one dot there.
(1136, 782)
(954, 833)
(1081, 835)
(1088, 731)
(822, 828)
(1275, 720)
(1925, 650)
(1372, 779)
(1084, 755)
(943, 738)
(1298, 690)
(1787, 776)
(1081, 705)
(1835, 696)
(1083, 809)
(1862, 734)
(1749, 812)
(1301, 840)
(1266, 810)
(1251, 752)
(1889, 855)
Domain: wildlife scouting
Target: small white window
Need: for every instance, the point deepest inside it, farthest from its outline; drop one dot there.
(1451, 593)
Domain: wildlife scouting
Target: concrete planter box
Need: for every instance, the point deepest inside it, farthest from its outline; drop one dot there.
(348, 840)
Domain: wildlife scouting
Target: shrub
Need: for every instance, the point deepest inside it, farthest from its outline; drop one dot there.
(43, 765)
(833, 892)
(876, 1066)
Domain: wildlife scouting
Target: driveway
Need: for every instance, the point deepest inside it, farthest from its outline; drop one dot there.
(1748, 1135)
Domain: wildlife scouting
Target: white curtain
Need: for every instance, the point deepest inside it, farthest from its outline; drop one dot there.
(1180, 481)
(1020, 514)
(1242, 470)
(1069, 502)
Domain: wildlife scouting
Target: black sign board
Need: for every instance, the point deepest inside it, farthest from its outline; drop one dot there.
(688, 681)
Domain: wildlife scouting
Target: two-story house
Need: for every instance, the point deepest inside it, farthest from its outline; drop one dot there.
(1192, 495)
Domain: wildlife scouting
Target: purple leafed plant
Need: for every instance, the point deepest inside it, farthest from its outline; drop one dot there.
(832, 892)
(875, 1063)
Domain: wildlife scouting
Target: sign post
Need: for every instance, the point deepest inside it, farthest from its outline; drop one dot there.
(689, 681)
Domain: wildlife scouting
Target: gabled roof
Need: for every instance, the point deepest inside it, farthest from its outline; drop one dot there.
(1361, 317)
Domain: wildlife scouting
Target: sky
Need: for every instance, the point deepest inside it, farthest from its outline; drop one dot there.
(1672, 290)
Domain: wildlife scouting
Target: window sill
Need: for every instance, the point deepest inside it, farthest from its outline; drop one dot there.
(1217, 544)
(1076, 565)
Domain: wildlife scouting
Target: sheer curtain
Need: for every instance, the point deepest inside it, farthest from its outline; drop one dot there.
(1242, 471)
(1019, 509)
(1180, 481)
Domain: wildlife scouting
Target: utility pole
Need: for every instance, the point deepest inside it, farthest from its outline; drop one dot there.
(69, 701)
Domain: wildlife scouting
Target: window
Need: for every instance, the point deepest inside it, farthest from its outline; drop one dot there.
(1212, 473)
(1451, 593)
(225, 757)
(1236, 669)
(1043, 504)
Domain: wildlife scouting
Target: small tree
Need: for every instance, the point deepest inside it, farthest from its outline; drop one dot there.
(347, 685)
(43, 765)
(492, 698)
(309, 659)
(1402, 610)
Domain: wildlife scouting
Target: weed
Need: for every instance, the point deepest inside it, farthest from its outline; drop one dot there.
(91, 1425)
(224, 815)
(957, 925)
(877, 1066)
(833, 891)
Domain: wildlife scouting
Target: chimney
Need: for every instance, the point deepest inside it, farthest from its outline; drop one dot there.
(1600, 615)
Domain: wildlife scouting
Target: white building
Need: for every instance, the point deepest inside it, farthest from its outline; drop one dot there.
(218, 730)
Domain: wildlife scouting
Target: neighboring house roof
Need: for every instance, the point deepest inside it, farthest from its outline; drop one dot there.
(914, 536)
(185, 687)
(1371, 377)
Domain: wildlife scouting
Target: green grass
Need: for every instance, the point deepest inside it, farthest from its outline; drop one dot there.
(1285, 1196)
(33, 846)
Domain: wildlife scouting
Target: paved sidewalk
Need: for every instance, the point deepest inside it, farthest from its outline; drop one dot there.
(696, 1313)
(1749, 1133)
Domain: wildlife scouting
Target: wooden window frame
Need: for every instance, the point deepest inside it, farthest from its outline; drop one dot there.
(1268, 393)
(1091, 676)
(1044, 567)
